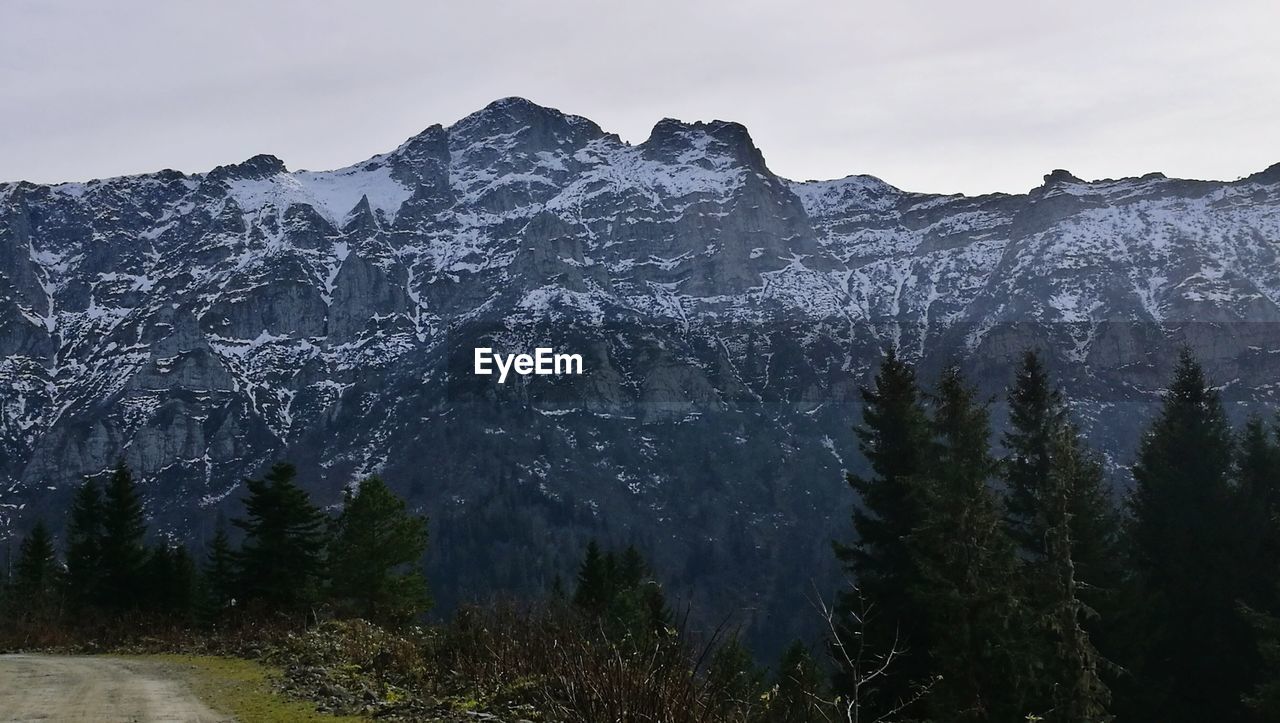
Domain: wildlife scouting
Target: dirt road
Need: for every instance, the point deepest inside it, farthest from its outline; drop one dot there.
(76, 688)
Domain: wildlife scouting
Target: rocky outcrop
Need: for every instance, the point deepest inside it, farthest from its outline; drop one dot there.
(201, 325)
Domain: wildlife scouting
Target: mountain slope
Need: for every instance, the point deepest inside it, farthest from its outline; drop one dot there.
(201, 325)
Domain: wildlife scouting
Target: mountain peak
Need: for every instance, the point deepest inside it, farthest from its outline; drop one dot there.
(1060, 176)
(1271, 174)
(514, 115)
(259, 166)
(673, 140)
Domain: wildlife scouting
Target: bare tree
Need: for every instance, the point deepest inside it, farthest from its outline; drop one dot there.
(865, 665)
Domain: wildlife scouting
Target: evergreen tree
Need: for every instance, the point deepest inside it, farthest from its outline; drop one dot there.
(36, 575)
(169, 580)
(1193, 655)
(631, 568)
(1036, 416)
(1264, 699)
(1035, 413)
(623, 592)
(1257, 513)
(122, 554)
(797, 689)
(278, 566)
(1046, 466)
(965, 592)
(1070, 666)
(84, 547)
(376, 556)
(893, 437)
(733, 678)
(593, 590)
(218, 578)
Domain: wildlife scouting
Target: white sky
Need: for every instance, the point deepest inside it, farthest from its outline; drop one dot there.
(928, 95)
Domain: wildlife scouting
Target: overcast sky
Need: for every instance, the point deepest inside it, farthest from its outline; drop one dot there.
(928, 95)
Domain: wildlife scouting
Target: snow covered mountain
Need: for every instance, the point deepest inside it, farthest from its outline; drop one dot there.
(202, 325)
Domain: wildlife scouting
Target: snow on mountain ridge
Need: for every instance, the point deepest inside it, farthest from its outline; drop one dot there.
(228, 316)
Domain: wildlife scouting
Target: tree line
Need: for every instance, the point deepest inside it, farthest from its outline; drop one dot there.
(1010, 585)
(988, 582)
(292, 560)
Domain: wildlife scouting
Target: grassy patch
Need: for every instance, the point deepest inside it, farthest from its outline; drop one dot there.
(241, 688)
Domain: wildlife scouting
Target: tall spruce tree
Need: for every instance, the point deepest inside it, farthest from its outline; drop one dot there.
(36, 576)
(624, 594)
(280, 563)
(1257, 475)
(966, 564)
(593, 584)
(84, 548)
(1047, 465)
(1069, 666)
(893, 437)
(217, 581)
(1193, 656)
(169, 582)
(123, 553)
(1035, 414)
(376, 556)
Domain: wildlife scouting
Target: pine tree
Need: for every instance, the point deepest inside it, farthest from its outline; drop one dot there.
(1258, 512)
(593, 590)
(1035, 413)
(966, 563)
(218, 578)
(84, 547)
(623, 593)
(36, 575)
(279, 564)
(1071, 665)
(733, 678)
(893, 437)
(1193, 655)
(797, 688)
(1257, 485)
(1047, 466)
(1264, 699)
(376, 555)
(169, 582)
(123, 529)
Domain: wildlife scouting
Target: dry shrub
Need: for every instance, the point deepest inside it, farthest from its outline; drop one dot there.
(574, 672)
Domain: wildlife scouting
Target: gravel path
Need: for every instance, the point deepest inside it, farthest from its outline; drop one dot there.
(78, 688)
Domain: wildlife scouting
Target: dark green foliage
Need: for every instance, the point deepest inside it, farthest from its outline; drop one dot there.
(84, 547)
(1065, 527)
(123, 554)
(797, 694)
(217, 588)
(280, 563)
(1265, 698)
(593, 590)
(375, 557)
(1035, 413)
(622, 591)
(733, 679)
(1258, 510)
(1069, 667)
(1192, 654)
(36, 576)
(1257, 513)
(169, 582)
(965, 562)
(893, 437)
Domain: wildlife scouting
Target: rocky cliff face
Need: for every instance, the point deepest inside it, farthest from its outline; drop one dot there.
(202, 325)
